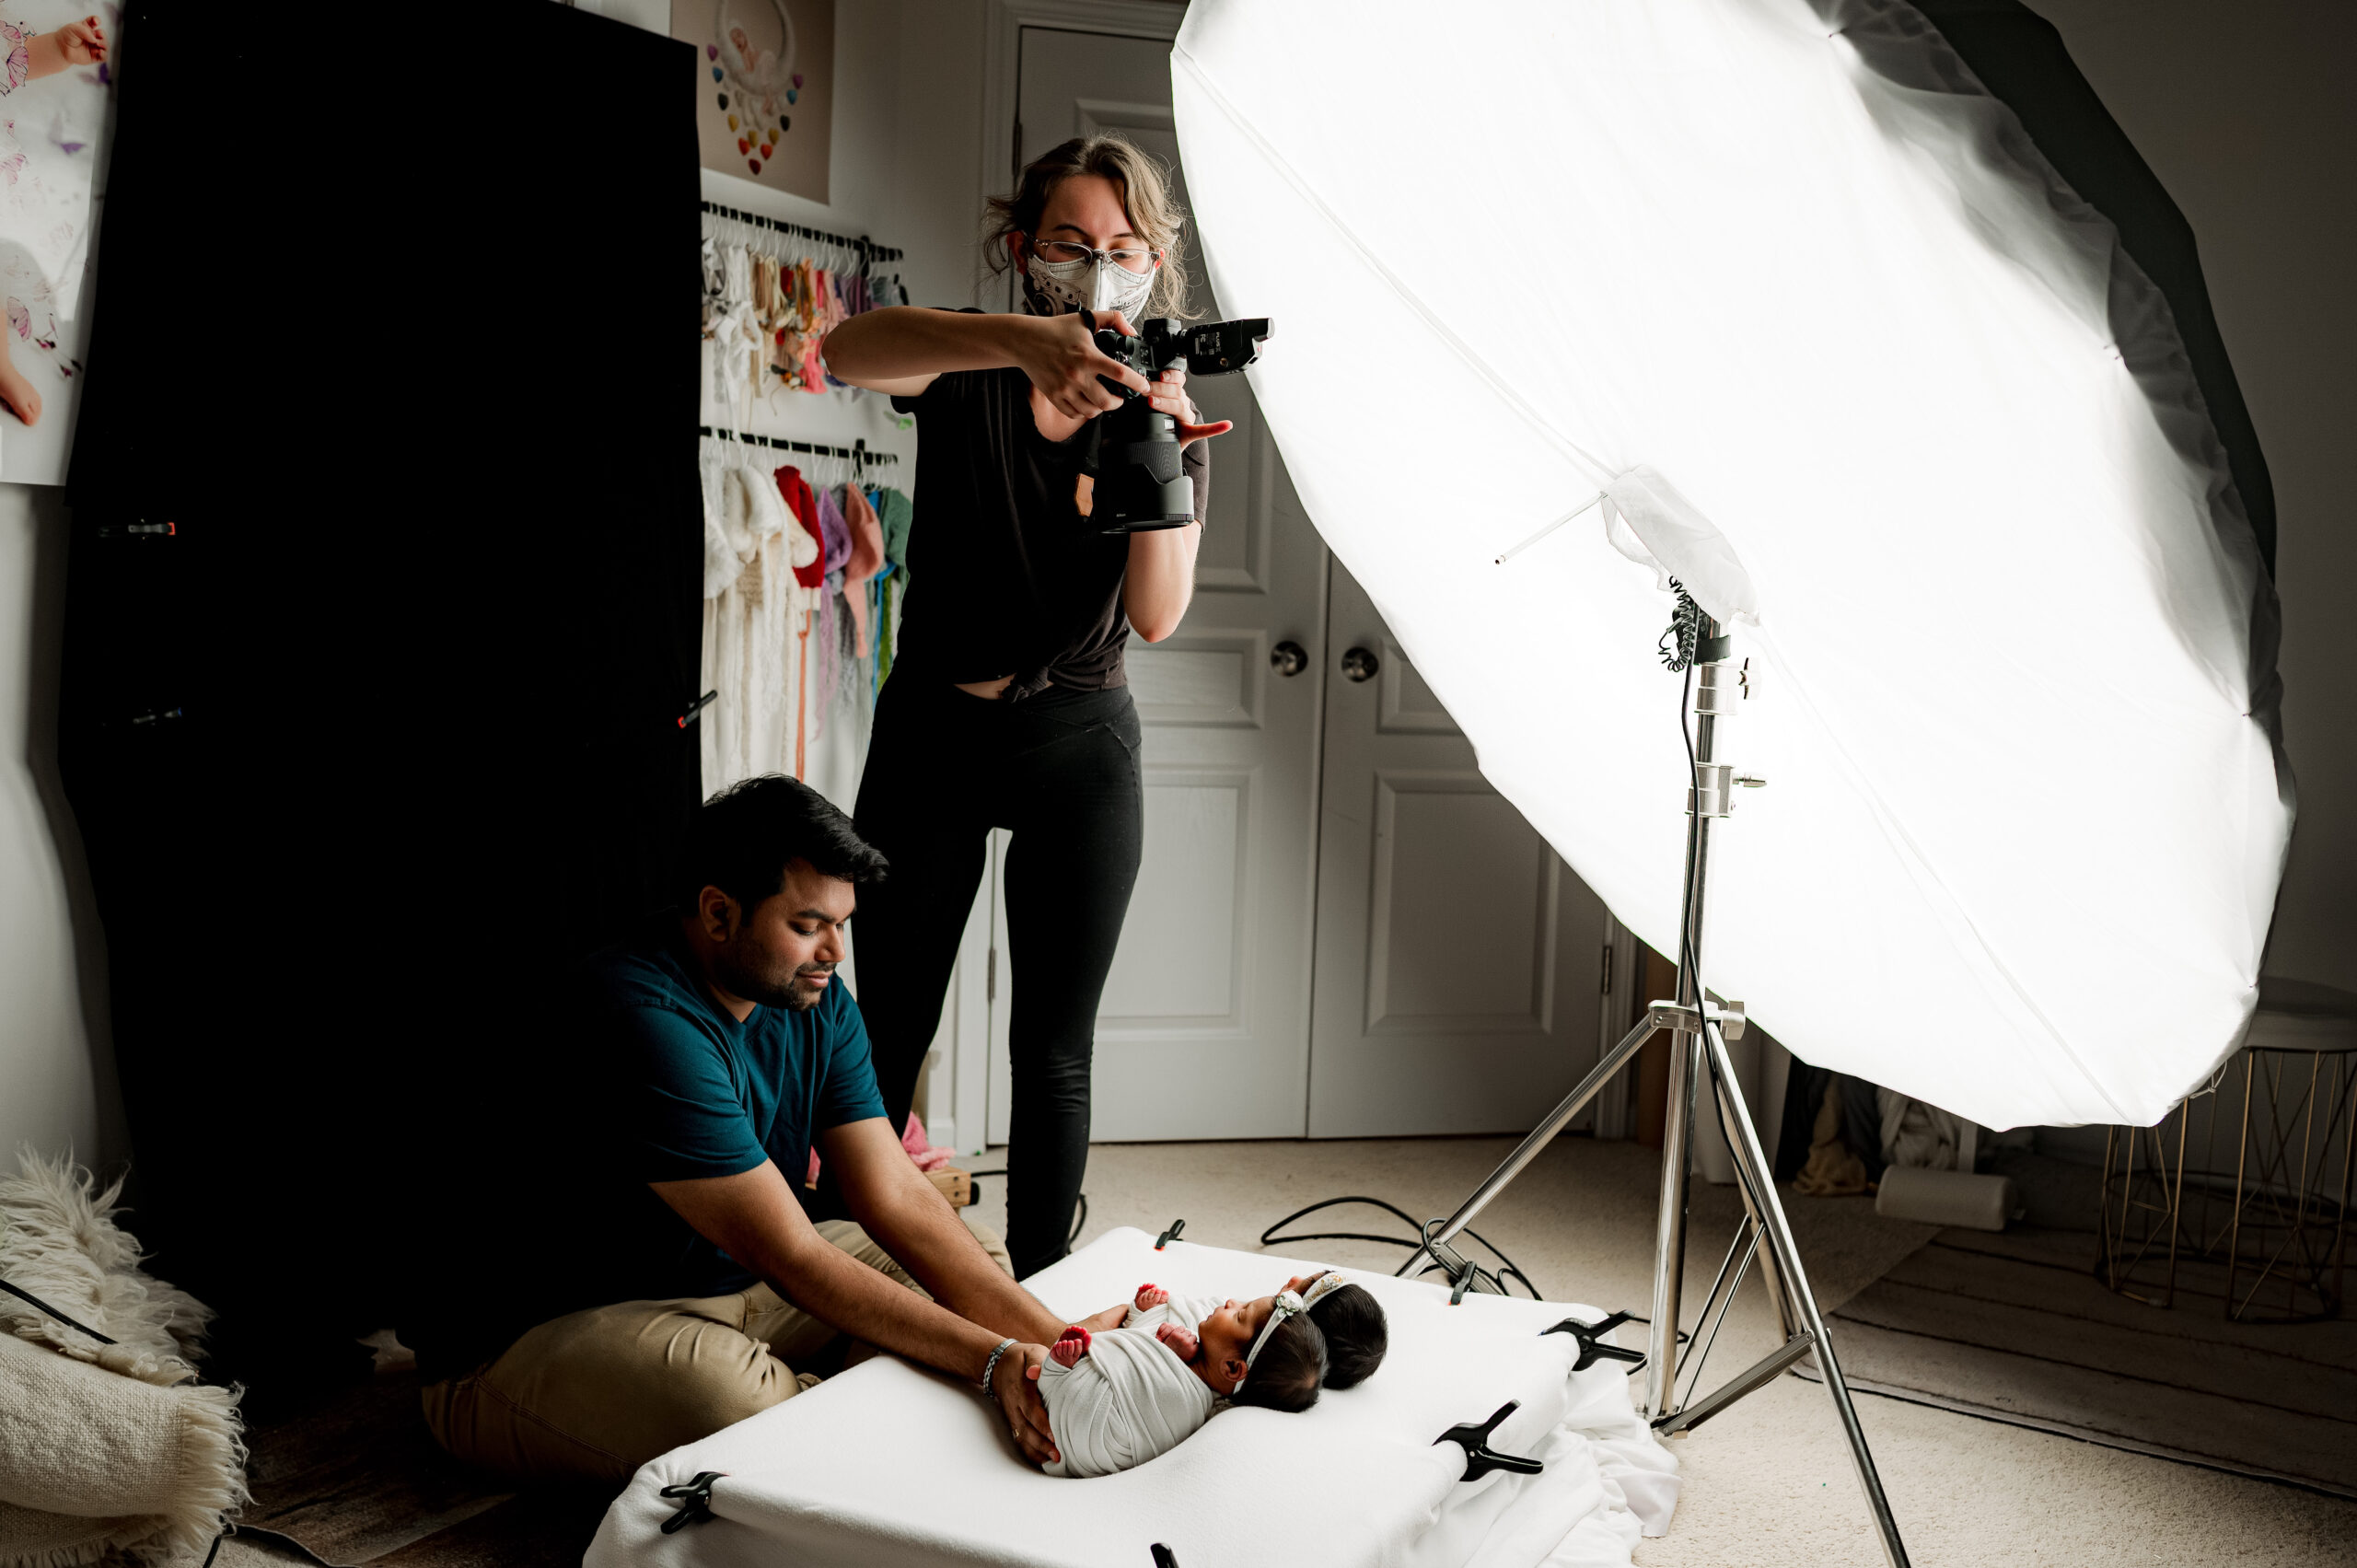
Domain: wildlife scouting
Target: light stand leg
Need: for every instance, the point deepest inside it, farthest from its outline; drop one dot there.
(1752, 1168)
(1669, 1226)
(1787, 1315)
(1437, 1237)
(1699, 1057)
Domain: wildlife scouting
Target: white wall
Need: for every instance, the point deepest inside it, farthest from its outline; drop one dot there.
(56, 1091)
(2246, 112)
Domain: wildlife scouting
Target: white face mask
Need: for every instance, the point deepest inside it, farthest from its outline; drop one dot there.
(1064, 287)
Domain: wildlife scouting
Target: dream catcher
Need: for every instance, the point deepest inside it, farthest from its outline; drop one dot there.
(751, 56)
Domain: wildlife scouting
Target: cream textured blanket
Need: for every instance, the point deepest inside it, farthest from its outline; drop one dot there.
(101, 1447)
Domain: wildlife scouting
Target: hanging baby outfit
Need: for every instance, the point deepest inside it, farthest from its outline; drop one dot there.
(750, 621)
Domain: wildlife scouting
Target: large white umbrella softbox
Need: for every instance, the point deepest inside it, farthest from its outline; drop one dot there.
(1854, 363)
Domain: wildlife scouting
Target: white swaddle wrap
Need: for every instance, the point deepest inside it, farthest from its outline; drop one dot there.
(1129, 1398)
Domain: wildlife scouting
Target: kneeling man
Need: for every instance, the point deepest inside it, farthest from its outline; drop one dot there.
(693, 1292)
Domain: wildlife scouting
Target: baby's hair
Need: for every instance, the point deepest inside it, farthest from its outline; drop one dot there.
(1357, 1334)
(1289, 1370)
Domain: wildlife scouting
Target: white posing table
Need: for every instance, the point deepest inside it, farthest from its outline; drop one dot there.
(889, 1467)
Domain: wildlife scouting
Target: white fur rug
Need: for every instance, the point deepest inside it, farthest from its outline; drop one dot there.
(102, 1447)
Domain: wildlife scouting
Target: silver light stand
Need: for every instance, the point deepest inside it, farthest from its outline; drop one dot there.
(1700, 1026)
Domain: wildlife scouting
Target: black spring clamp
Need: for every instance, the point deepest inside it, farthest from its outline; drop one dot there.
(694, 1498)
(1479, 1458)
(1591, 1345)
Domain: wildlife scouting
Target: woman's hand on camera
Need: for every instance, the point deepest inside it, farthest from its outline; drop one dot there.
(1064, 361)
(1169, 396)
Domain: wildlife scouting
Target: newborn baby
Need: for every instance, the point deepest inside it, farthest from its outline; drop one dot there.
(1135, 1380)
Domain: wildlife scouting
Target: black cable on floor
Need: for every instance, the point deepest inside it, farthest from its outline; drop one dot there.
(1508, 1269)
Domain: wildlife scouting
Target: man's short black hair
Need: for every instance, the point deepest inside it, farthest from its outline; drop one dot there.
(744, 838)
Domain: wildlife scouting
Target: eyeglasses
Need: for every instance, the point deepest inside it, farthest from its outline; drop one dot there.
(1063, 252)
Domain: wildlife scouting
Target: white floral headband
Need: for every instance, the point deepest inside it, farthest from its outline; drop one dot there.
(1283, 1304)
(1323, 1285)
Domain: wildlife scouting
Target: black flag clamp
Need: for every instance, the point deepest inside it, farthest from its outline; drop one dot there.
(1479, 1458)
(695, 1500)
(1593, 1347)
(1168, 1236)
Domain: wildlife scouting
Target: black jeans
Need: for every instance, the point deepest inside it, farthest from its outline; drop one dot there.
(1061, 770)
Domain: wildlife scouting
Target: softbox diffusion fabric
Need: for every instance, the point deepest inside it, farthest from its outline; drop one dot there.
(1781, 281)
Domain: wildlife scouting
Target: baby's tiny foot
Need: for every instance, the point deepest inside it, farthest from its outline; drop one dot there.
(18, 394)
(1151, 1296)
(1181, 1340)
(1069, 1347)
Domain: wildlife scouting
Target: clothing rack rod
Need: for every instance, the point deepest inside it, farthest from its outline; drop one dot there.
(861, 453)
(860, 243)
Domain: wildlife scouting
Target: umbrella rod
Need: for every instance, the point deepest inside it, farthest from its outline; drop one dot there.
(1699, 1061)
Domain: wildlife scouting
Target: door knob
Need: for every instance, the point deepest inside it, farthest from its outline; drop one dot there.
(1360, 664)
(1286, 658)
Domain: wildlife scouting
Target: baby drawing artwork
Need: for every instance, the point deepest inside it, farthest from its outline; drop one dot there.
(46, 136)
(1137, 1379)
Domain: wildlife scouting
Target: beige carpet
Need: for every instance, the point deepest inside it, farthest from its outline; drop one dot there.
(2017, 1325)
(1769, 1484)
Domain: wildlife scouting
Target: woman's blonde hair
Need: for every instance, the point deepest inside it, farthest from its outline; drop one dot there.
(1145, 189)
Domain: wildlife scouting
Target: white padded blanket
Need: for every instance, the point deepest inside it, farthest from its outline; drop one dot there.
(889, 1467)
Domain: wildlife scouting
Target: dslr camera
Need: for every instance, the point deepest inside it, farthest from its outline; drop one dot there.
(1132, 451)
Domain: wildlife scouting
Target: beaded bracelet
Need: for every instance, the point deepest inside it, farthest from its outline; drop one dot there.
(990, 1368)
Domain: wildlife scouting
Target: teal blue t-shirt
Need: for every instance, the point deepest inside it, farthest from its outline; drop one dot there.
(688, 1092)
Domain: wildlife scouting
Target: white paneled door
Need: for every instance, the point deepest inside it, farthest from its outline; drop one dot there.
(1205, 1028)
(1460, 961)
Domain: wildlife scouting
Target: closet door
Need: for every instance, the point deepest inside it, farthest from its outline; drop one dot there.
(384, 732)
(1460, 963)
(1204, 1031)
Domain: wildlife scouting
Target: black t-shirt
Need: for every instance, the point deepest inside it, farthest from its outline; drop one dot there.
(1005, 576)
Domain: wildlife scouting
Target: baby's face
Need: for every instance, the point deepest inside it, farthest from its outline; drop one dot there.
(1226, 1338)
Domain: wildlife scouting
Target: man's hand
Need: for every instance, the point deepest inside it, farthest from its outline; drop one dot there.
(1016, 1381)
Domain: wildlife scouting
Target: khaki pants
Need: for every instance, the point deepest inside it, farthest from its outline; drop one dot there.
(594, 1395)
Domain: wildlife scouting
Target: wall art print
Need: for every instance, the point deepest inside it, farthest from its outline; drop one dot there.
(56, 88)
(765, 75)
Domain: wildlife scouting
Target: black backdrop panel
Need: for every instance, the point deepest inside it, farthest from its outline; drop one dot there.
(385, 733)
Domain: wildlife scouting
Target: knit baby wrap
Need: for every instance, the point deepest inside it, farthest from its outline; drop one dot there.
(1129, 1398)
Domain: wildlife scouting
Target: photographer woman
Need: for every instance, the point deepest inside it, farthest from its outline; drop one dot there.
(1008, 706)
